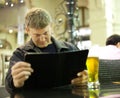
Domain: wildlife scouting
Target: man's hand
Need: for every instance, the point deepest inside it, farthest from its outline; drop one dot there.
(81, 79)
(21, 72)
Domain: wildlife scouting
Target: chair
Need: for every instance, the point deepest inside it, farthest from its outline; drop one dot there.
(109, 72)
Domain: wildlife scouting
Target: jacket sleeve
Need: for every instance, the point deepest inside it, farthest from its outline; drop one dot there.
(18, 55)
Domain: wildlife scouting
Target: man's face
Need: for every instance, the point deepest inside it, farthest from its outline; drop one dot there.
(40, 37)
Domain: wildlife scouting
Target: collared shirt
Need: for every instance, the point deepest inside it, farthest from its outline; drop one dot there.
(109, 52)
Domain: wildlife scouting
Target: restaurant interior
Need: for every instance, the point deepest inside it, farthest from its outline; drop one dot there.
(85, 23)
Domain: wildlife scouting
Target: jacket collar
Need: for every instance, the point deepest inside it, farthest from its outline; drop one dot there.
(60, 46)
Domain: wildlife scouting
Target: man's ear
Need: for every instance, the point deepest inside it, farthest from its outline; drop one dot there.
(27, 30)
(118, 45)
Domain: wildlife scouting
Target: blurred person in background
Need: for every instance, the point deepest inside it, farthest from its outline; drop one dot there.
(110, 51)
(112, 48)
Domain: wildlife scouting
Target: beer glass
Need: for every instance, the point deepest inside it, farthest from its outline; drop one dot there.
(94, 93)
(93, 71)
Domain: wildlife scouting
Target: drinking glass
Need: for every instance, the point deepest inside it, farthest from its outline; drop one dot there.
(93, 71)
(94, 93)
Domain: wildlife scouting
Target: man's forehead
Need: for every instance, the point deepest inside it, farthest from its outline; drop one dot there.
(40, 31)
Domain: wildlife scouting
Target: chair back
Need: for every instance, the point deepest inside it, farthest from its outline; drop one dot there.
(109, 71)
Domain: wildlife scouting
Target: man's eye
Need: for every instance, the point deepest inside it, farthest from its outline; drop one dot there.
(45, 33)
(37, 34)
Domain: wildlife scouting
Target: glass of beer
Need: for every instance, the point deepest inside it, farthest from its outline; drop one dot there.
(93, 71)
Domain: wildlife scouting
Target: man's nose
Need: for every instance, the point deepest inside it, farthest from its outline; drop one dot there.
(42, 37)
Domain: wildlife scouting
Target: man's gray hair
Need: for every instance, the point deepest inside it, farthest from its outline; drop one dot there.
(37, 18)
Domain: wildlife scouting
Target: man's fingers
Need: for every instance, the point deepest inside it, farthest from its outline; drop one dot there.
(22, 75)
(85, 72)
(20, 82)
(19, 70)
(82, 73)
(21, 78)
(20, 64)
(79, 80)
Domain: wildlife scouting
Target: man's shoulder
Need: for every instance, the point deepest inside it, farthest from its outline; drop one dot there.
(26, 46)
(68, 45)
(19, 49)
(23, 48)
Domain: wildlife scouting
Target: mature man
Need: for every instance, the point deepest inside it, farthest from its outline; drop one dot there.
(38, 26)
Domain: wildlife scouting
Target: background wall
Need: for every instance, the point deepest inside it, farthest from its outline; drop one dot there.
(103, 18)
(10, 18)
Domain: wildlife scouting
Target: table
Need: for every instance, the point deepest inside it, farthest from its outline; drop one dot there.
(109, 77)
(66, 92)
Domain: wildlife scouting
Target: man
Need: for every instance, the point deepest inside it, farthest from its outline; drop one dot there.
(111, 51)
(38, 26)
(112, 48)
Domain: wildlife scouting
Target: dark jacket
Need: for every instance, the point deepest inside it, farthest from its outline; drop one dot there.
(19, 53)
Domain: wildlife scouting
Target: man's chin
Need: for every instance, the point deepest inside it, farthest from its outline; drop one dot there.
(43, 46)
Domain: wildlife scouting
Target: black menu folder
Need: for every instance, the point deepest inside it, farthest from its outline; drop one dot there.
(54, 69)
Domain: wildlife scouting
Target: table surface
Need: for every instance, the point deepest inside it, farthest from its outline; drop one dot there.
(105, 91)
